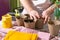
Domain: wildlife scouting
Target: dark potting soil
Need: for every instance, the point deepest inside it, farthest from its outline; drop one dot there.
(18, 17)
(29, 20)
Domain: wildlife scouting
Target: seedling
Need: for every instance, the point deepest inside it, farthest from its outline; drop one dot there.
(57, 10)
(17, 15)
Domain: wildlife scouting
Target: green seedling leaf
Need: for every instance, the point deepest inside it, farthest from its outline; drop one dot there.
(57, 12)
(53, 1)
(16, 13)
(58, 3)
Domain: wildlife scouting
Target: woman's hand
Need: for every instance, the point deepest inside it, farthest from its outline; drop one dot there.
(47, 13)
(46, 16)
(34, 14)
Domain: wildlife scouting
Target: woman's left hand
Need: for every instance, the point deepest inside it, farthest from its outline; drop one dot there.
(46, 16)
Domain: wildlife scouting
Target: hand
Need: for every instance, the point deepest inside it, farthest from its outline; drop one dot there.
(34, 14)
(46, 16)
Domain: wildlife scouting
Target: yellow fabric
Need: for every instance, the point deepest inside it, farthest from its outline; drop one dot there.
(14, 35)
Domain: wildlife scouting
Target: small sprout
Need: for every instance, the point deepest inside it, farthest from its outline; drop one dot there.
(16, 13)
(57, 2)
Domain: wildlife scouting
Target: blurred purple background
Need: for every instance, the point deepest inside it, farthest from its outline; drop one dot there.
(4, 7)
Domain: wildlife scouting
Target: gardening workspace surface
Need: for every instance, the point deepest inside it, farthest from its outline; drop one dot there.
(41, 35)
(23, 28)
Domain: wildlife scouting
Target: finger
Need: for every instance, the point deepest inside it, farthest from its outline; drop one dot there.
(49, 18)
(45, 20)
(42, 16)
(31, 17)
(34, 18)
(37, 15)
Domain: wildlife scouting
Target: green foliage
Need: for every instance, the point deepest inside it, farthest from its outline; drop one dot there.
(53, 1)
(57, 2)
(16, 13)
(57, 12)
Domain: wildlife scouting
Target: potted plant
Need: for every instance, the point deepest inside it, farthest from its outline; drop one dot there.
(39, 23)
(54, 25)
(19, 19)
(28, 22)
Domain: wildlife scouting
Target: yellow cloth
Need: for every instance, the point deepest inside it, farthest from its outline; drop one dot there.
(14, 35)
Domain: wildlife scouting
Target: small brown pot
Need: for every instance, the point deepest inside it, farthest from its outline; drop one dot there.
(19, 21)
(54, 27)
(29, 24)
(39, 24)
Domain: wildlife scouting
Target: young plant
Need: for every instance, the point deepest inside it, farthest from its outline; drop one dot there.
(57, 10)
(17, 15)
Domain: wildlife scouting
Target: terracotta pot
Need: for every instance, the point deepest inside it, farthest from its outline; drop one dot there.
(54, 27)
(20, 21)
(39, 24)
(29, 24)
